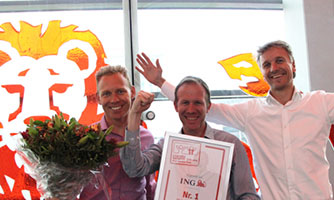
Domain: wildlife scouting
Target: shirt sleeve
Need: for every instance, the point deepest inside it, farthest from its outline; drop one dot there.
(137, 163)
(168, 89)
(146, 140)
(234, 115)
(329, 105)
(229, 115)
(241, 179)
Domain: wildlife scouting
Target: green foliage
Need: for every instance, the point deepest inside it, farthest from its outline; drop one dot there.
(69, 144)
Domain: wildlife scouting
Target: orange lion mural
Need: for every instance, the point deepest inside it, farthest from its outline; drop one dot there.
(42, 74)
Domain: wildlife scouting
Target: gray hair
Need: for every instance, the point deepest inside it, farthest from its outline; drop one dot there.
(277, 43)
(193, 79)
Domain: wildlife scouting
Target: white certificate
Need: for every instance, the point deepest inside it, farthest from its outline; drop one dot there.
(194, 168)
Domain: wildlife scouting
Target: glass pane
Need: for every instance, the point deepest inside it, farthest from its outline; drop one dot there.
(42, 36)
(48, 62)
(192, 41)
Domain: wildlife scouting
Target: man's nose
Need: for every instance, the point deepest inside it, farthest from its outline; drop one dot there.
(114, 97)
(274, 67)
(191, 107)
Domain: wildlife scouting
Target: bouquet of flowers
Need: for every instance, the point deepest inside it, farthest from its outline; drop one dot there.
(62, 156)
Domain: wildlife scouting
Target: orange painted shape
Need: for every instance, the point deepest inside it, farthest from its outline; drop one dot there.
(22, 180)
(79, 57)
(257, 88)
(40, 118)
(331, 135)
(250, 159)
(15, 89)
(4, 58)
(23, 73)
(52, 72)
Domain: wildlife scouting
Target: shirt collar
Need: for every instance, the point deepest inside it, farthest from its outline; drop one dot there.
(208, 133)
(103, 123)
(297, 95)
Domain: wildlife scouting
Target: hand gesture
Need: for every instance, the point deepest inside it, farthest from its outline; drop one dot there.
(152, 73)
(142, 102)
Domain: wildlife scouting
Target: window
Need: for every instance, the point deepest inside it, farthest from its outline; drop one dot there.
(44, 46)
(190, 37)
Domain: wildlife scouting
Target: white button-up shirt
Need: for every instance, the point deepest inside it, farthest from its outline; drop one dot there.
(288, 141)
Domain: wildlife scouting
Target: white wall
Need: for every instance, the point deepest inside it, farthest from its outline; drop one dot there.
(310, 31)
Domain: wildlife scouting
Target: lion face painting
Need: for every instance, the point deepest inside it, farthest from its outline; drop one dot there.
(42, 74)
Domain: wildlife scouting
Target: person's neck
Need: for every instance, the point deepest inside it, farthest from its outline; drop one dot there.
(199, 133)
(283, 96)
(119, 126)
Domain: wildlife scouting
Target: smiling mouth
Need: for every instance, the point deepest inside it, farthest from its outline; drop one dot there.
(276, 76)
(115, 108)
(191, 118)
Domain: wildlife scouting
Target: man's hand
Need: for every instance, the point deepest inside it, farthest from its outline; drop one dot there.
(141, 103)
(152, 73)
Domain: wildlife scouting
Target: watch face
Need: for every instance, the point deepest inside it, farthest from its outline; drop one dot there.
(150, 115)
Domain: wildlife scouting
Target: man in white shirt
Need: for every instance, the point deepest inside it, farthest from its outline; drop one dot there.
(288, 130)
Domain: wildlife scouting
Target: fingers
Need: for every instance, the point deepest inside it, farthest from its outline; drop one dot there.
(142, 102)
(140, 63)
(145, 97)
(158, 65)
(141, 60)
(139, 70)
(148, 60)
(144, 61)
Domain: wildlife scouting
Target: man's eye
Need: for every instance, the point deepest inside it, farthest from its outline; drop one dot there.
(266, 65)
(105, 94)
(198, 103)
(185, 102)
(120, 92)
(280, 60)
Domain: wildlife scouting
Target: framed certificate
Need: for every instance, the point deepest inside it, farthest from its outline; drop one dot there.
(194, 168)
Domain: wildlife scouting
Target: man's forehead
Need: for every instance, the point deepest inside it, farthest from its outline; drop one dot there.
(274, 53)
(113, 86)
(185, 92)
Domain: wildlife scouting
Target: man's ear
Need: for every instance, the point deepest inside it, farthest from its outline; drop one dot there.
(175, 107)
(293, 66)
(98, 97)
(133, 92)
(209, 107)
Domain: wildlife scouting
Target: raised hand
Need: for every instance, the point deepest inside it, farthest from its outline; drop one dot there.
(151, 72)
(141, 103)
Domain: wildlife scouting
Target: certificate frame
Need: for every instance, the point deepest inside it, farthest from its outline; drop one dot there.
(194, 168)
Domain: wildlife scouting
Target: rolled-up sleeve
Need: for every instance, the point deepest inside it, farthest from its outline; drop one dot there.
(137, 163)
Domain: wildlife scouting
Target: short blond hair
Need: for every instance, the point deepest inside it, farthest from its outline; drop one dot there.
(110, 70)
